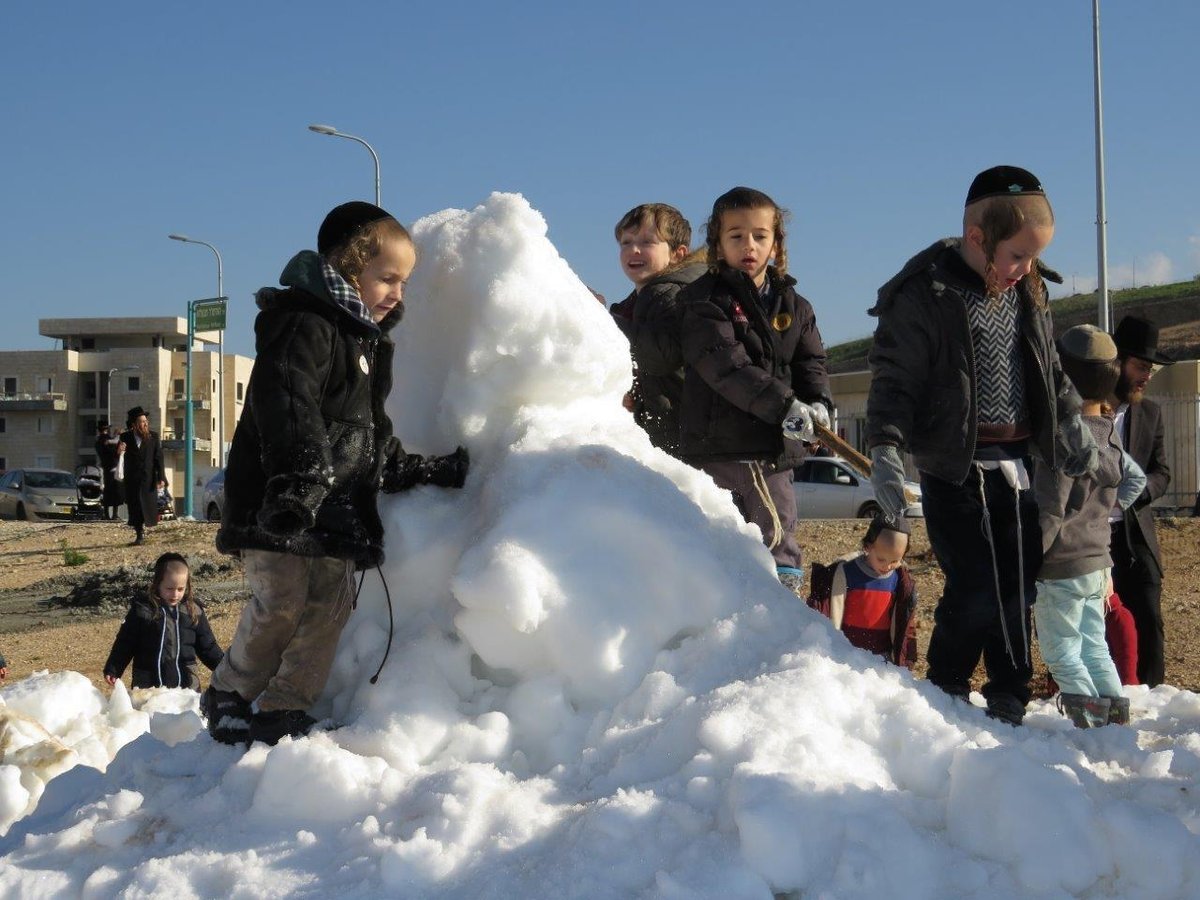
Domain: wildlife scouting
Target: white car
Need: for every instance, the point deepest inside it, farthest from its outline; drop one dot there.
(828, 487)
(29, 494)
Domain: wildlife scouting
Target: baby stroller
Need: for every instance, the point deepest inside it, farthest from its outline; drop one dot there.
(89, 493)
(166, 504)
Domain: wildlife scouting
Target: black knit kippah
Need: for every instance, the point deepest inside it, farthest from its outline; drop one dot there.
(343, 221)
(1000, 181)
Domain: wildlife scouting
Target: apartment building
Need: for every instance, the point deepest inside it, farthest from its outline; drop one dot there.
(51, 400)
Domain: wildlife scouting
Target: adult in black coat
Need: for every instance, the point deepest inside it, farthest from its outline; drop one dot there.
(107, 456)
(1137, 563)
(143, 470)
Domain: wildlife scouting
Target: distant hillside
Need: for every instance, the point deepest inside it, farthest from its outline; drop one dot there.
(1175, 308)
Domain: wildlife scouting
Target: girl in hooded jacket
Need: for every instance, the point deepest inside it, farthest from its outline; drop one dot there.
(164, 633)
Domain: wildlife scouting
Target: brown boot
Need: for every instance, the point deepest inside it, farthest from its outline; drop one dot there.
(1118, 711)
(1085, 711)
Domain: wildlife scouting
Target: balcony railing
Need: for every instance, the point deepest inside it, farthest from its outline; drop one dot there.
(34, 402)
(175, 442)
(199, 401)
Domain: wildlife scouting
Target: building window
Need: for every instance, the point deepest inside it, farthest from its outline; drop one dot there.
(3, 463)
(3, 427)
(45, 425)
(178, 424)
(180, 387)
(10, 386)
(134, 383)
(45, 384)
(241, 392)
(87, 343)
(214, 387)
(43, 462)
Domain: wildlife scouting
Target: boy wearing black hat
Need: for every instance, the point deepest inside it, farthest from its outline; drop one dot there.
(311, 451)
(1137, 563)
(1073, 583)
(140, 464)
(965, 377)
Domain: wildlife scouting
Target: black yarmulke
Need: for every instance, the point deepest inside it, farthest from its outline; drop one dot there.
(1000, 181)
(343, 221)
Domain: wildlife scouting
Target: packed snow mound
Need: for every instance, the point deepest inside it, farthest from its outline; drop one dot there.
(596, 687)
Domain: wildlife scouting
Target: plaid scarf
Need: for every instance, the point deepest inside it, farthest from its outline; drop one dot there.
(344, 294)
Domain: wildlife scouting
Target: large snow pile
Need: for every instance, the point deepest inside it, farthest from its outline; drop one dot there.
(596, 687)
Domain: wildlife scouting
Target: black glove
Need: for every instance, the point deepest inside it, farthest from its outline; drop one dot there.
(401, 471)
(284, 518)
(446, 471)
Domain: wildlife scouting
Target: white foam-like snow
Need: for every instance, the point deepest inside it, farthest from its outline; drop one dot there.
(596, 687)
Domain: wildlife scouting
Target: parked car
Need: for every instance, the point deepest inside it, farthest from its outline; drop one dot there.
(828, 487)
(213, 500)
(30, 494)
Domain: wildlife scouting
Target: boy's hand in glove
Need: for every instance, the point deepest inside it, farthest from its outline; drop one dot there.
(446, 471)
(798, 423)
(887, 477)
(1077, 447)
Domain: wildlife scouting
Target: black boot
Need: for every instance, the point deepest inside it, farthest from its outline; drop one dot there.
(1006, 708)
(271, 727)
(228, 715)
(1118, 710)
(1085, 711)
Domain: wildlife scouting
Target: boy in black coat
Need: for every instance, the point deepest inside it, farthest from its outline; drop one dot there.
(310, 451)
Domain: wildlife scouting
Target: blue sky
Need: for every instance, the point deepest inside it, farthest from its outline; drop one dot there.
(127, 121)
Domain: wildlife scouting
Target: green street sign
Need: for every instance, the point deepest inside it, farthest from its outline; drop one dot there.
(210, 314)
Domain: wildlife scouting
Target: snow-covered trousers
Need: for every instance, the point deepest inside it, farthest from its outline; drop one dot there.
(283, 649)
(739, 479)
(1069, 614)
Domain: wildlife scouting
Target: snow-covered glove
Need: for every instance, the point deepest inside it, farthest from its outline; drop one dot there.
(1077, 447)
(798, 422)
(401, 470)
(446, 471)
(820, 414)
(887, 477)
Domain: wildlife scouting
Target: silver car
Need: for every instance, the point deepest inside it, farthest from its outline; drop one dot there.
(30, 494)
(213, 501)
(828, 487)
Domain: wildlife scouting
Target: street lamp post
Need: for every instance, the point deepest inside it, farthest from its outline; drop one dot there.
(333, 132)
(1104, 313)
(220, 350)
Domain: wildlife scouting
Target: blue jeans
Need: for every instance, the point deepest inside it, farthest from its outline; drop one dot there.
(1070, 627)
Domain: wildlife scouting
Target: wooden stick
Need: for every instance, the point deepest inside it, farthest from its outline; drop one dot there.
(834, 442)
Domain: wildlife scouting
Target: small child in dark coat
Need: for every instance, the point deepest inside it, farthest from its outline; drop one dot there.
(871, 596)
(164, 633)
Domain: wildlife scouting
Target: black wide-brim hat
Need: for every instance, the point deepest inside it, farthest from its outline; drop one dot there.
(134, 414)
(1138, 337)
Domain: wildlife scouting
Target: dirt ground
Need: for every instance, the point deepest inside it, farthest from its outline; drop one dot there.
(58, 616)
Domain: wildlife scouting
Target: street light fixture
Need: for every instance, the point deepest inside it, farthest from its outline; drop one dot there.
(333, 132)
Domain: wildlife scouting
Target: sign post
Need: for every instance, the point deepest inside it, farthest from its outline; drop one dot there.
(203, 315)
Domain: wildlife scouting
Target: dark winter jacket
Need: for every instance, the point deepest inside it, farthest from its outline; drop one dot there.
(650, 318)
(923, 394)
(897, 642)
(1143, 440)
(744, 367)
(304, 467)
(164, 643)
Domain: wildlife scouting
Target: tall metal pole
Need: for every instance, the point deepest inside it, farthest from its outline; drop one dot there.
(333, 132)
(188, 424)
(220, 406)
(1104, 312)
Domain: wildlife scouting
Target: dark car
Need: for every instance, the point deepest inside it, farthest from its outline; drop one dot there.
(214, 497)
